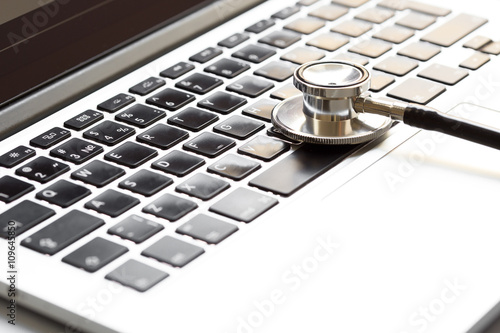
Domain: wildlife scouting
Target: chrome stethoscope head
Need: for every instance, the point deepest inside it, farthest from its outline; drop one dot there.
(335, 108)
(325, 112)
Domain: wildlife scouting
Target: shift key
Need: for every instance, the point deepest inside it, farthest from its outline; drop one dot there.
(454, 30)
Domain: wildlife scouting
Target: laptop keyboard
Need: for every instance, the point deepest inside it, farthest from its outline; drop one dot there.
(193, 148)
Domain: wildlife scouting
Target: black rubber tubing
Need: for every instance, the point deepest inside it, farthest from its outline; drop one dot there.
(426, 118)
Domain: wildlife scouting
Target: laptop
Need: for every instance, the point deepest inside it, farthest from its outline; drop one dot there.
(143, 187)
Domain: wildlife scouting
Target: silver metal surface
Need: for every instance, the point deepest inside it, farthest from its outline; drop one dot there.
(326, 113)
(292, 122)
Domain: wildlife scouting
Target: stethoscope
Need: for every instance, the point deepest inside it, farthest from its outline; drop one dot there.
(336, 109)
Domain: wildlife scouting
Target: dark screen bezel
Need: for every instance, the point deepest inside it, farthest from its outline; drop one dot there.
(74, 37)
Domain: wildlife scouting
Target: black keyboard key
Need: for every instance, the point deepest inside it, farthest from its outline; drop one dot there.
(112, 203)
(95, 254)
(300, 167)
(261, 109)
(417, 90)
(234, 166)
(306, 2)
(281, 38)
(140, 115)
(233, 40)
(396, 65)
(250, 86)
(147, 86)
(277, 70)
(476, 60)
(222, 102)
(286, 91)
(477, 42)
(173, 251)
(170, 99)
(21, 217)
(239, 127)
(98, 173)
(300, 55)
(420, 51)
(328, 41)
(109, 132)
(375, 15)
(135, 229)
(209, 144)
(329, 12)
(62, 232)
(415, 6)
(170, 207)
(162, 136)
(145, 182)
(380, 81)
(227, 68)
(202, 186)
(352, 28)
(371, 48)
(131, 154)
(264, 148)
(177, 70)
(76, 150)
(193, 119)
(16, 156)
(444, 74)
(243, 205)
(260, 26)
(42, 169)
(207, 54)
(83, 120)
(305, 25)
(136, 275)
(12, 188)
(455, 29)
(63, 193)
(491, 48)
(350, 3)
(394, 34)
(178, 163)
(254, 53)
(50, 138)
(207, 229)
(286, 12)
(116, 103)
(416, 21)
(199, 83)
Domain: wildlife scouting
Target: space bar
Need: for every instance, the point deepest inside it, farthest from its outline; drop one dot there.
(301, 167)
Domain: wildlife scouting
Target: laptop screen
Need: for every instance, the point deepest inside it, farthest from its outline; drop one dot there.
(41, 40)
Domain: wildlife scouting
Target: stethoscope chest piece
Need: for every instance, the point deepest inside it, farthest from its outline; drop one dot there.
(324, 113)
(335, 108)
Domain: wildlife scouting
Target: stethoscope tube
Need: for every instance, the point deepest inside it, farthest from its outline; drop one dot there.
(428, 118)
